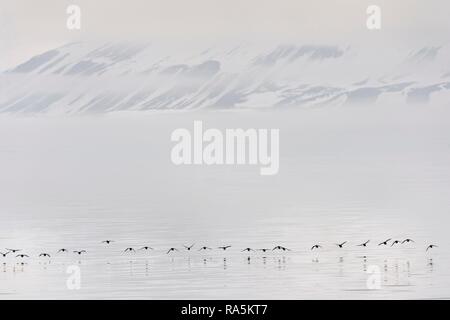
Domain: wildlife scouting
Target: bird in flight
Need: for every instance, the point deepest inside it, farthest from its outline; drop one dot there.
(281, 248)
(316, 246)
(364, 244)
(171, 249)
(44, 255)
(129, 250)
(407, 241)
(204, 248)
(263, 249)
(248, 249)
(431, 246)
(79, 252)
(224, 247)
(341, 245)
(107, 241)
(146, 248)
(22, 256)
(62, 250)
(395, 242)
(4, 254)
(188, 248)
(13, 250)
(384, 243)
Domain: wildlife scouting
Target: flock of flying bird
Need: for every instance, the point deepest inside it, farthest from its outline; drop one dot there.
(189, 248)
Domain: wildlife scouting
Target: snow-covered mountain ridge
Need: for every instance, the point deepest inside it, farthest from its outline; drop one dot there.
(91, 78)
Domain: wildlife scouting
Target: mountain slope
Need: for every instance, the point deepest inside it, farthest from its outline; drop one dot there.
(91, 78)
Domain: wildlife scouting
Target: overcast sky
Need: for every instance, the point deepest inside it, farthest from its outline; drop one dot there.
(30, 27)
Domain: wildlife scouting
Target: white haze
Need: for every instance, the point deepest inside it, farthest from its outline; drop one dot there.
(353, 173)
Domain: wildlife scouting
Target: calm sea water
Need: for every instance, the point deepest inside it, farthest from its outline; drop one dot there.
(345, 175)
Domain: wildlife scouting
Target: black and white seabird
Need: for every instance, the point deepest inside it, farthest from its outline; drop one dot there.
(281, 248)
(224, 247)
(395, 242)
(384, 243)
(248, 249)
(22, 256)
(341, 245)
(129, 250)
(62, 250)
(5, 254)
(14, 250)
(146, 248)
(407, 241)
(364, 244)
(316, 246)
(204, 248)
(431, 246)
(80, 252)
(171, 249)
(107, 241)
(188, 248)
(44, 255)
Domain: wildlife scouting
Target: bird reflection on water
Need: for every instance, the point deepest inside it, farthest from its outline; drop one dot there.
(341, 264)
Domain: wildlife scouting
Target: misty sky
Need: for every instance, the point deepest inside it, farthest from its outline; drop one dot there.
(30, 27)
